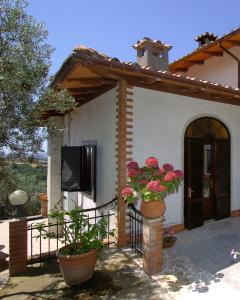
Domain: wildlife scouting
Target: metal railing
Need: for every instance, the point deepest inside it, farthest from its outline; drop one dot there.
(44, 250)
(135, 229)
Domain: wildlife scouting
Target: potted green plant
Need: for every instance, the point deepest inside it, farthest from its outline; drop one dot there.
(152, 184)
(77, 259)
(169, 238)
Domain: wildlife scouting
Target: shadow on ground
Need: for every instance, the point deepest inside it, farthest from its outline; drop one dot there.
(116, 277)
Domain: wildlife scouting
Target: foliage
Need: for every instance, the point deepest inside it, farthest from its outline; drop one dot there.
(27, 177)
(24, 66)
(151, 182)
(24, 95)
(78, 233)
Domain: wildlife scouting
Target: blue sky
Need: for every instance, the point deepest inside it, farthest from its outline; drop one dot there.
(112, 27)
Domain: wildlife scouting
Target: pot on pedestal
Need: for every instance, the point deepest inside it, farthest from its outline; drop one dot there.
(153, 209)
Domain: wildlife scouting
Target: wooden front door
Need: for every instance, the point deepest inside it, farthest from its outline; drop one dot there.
(222, 179)
(207, 172)
(193, 208)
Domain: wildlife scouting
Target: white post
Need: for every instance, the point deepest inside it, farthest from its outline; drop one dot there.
(54, 166)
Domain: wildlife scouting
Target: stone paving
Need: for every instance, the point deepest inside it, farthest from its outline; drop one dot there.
(199, 266)
(116, 277)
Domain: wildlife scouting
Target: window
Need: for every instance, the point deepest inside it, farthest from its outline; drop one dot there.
(89, 170)
(71, 166)
(78, 169)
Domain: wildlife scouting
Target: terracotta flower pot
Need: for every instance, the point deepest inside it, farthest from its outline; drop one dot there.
(77, 269)
(153, 209)
(42, 197)
(169, 244)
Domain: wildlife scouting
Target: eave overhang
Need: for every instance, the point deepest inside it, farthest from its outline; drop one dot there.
(87, 77)
(198, 56)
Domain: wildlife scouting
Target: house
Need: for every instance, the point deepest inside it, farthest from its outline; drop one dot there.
(186, 113)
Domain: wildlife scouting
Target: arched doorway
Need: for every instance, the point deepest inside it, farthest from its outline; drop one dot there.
(207, 172)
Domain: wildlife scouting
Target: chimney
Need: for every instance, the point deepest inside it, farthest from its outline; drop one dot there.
(205, 39)
(152, 53)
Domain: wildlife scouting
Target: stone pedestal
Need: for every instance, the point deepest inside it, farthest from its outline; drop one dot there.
(152, 245)
(17, 247)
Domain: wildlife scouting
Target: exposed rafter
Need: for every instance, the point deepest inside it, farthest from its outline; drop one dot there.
(214, 53)
(91, 81)
(182, 69)
(234, 42)
(195, 62)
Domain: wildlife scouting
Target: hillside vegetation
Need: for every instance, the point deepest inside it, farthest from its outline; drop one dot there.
(31, 178)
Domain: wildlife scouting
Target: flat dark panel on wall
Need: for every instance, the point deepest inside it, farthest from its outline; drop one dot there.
(71, 168)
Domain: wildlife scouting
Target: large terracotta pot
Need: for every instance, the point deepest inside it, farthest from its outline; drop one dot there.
(79, 268)
(153, 209)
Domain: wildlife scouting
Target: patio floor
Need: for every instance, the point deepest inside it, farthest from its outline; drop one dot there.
(199, 266)
(116, 277)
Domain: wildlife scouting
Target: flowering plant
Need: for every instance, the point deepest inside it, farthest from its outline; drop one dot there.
(42, 197)
(235, 254)
(168, 235)
(151, 182)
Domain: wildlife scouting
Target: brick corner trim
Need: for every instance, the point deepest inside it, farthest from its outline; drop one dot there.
(124, 139)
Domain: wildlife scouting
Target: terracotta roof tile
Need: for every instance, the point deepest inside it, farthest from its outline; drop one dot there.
(92, 53)
(203, 47)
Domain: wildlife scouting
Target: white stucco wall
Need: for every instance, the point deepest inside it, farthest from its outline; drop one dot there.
(95, 121)
(159, 123)
(220, 69)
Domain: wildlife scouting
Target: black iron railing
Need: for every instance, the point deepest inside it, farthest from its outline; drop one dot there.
(135, 229)
(41, 249)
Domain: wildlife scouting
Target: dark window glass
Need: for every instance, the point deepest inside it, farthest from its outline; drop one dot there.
(71, 169)
(89, 170)
(79, 169)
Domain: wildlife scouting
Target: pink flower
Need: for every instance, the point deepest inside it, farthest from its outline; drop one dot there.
(151, 162)
(153, 186)
(142, 171)
(158, 172)
(168, 167)
(143, 181)
(169, 176)
(162, 188)
(127, 191)
(132, 165)
(132, 172)
(179, 174)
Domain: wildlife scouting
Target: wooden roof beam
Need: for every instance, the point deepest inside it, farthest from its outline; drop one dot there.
(182, 69)
(214, 53)
(91, 81)
(233, 42)
(82, 91)
(195, 62)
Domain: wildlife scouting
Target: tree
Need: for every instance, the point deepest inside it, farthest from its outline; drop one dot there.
(24, 65)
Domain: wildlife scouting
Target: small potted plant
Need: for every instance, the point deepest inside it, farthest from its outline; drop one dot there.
(43, 198)
(77, 259)
(152, 184)
(169, 238)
